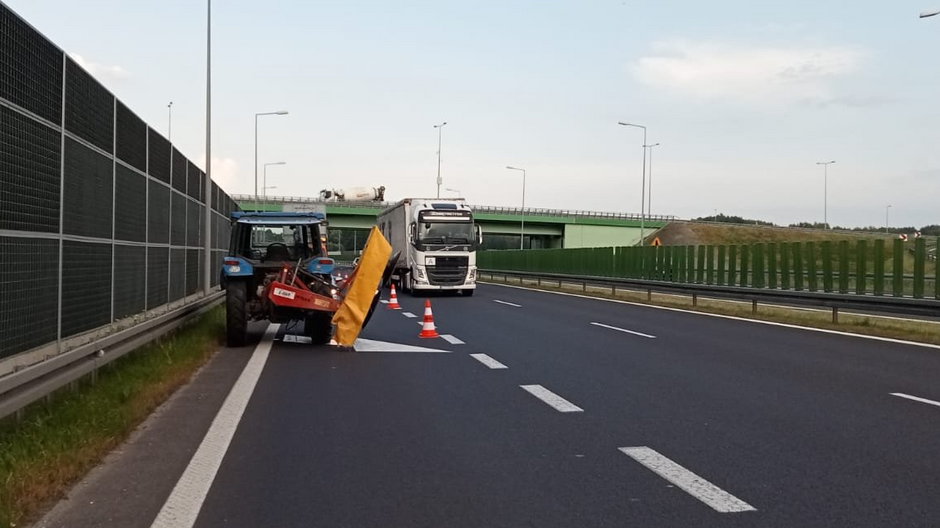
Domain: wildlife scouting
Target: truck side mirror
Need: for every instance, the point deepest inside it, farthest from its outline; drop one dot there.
(412, 233)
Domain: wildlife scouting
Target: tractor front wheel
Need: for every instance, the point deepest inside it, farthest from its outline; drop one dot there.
(236, 313)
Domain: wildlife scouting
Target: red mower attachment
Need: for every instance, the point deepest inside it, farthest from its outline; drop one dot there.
(288, 292)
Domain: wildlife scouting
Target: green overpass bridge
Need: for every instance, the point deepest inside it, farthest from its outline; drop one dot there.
(544, 228)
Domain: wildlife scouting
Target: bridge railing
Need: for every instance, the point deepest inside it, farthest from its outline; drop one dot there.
(529, 211)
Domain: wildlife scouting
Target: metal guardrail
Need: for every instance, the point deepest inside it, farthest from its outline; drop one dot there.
(835, 301)
(25, 386)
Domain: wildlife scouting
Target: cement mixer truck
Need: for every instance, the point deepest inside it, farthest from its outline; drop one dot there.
(437, 239)
(354, 194)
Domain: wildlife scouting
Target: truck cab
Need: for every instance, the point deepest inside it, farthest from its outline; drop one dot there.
(438, 240)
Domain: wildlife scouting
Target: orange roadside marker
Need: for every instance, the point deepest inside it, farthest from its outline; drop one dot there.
(393, 301)
(427, 329)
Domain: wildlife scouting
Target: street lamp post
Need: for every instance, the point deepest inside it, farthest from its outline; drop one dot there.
(887, 208)
(643, 187)
(169, 122)
(279, 112)
(264, 183)
(522, 227)
(649, 199)
(825, 165)
(207, 260)
(439, 128)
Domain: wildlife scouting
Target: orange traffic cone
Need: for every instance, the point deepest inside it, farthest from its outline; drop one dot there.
(427, 329)
(393, 300)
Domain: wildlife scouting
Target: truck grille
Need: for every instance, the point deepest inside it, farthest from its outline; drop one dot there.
(449, 271)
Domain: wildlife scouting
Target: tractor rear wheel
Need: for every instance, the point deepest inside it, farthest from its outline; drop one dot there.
(319, 327)
(236, 314)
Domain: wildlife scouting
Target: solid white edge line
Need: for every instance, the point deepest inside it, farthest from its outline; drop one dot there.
(715, 497)
(182, 506)
(641, 334)
(488, 361)
(553, 400)
(451, 339)
(409, 315)
(731, 317)
(507, 303)
(915, 398)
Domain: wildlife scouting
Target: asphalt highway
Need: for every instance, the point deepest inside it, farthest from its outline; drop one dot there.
(540, 409)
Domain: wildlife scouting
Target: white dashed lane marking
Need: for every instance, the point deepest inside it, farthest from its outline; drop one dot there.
(557, 402)
(409, 315)
(507, 303)
(715, 497)
(451, 339)
(488, 361)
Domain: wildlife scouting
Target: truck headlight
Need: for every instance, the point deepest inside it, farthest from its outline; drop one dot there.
(419, 272)
(473, 274)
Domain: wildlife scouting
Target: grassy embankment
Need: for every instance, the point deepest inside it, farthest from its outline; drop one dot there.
(56, 442)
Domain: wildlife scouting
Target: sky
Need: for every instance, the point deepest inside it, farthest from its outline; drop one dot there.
(745, 98)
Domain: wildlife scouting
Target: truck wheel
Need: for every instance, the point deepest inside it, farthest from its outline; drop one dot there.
(236, 315)
(319, 327)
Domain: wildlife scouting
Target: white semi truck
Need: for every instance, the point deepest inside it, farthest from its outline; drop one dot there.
(438, 241)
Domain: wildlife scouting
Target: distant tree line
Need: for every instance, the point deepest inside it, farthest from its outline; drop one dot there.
(928, 230)
(731, 220)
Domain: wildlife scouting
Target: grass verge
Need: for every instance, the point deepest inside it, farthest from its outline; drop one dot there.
(56, 442)
(881, 326)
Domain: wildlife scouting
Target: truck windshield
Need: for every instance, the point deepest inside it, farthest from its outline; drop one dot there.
(445, 232)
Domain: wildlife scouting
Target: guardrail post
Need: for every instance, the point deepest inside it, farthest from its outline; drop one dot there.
(920, 260)
(649, 294)
(694, 300)
(843, 266)
(835, 315)
(721, 265)
(879, 267)
(897, 269)
(827, 265)
(811, 266)
(861, 275)
(753, 306)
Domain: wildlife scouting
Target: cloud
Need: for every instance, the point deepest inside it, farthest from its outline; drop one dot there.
(714, 70)
(224, 172)
(100, 70)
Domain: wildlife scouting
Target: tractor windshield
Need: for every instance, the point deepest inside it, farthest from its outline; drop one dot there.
(282, 242)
